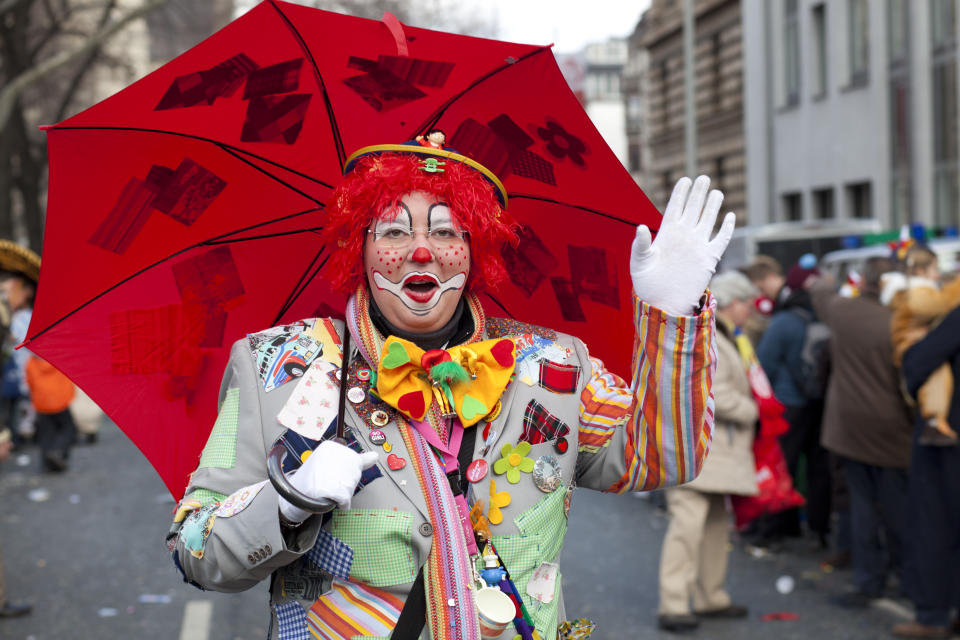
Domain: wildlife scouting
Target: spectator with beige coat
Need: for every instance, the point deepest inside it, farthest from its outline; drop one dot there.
(693, 560)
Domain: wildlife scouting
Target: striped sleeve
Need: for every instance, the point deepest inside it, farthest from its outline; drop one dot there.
(663, 421)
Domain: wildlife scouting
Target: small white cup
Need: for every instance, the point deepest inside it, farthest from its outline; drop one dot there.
(496, 611)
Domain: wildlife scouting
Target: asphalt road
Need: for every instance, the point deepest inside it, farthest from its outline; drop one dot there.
(90, 555)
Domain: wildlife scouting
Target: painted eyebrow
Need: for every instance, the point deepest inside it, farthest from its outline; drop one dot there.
(430, 213)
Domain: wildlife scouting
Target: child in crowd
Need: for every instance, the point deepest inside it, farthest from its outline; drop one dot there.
(51, 393)
(916, 309)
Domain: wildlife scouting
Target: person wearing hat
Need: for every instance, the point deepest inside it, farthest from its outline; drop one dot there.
(19, 273)
(465, 434)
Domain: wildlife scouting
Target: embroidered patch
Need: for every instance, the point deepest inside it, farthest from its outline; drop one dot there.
(221, 449)
(313, 404)
(238, 500)
(331, 555)
(539, 425)
(380, 540)
(350, 609)
(559, 378)
(291, 621)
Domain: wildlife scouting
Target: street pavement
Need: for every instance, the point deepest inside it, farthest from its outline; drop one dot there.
(87, 548)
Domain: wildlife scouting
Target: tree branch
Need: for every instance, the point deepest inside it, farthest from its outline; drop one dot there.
(84, 66)
(13, 89)
(7, 5)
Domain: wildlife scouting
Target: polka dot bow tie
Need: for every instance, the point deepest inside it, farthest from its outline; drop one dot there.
(465, 381)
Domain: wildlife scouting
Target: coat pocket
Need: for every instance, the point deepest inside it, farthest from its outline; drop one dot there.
(382, 548)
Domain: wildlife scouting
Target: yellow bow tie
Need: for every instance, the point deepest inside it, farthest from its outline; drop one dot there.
(466, 380)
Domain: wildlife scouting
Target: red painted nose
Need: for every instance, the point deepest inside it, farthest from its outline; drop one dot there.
(422, 255)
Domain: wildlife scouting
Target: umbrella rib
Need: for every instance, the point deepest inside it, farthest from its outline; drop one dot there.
(240, 157)
(300, 289)
(337, 140)
(157, 263)
(213, 243)
(432, 120)
(221, 145)
(574, 206)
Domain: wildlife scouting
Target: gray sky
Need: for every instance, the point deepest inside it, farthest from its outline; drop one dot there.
(568, 24)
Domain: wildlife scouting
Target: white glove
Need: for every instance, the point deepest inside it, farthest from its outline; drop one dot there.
(673, 272)
(332, 471)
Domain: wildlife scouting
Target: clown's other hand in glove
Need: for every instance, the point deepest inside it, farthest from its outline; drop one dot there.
(333, 472)
(673, 271)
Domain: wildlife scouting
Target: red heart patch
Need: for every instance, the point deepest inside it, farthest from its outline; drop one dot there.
(412, 404)
(502, 352)
(396, 462)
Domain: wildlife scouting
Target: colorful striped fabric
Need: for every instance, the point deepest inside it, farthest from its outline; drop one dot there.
(451, 610)
(353, 609)
(668, 408)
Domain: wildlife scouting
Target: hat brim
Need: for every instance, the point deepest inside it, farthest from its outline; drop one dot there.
(429, 152)
(19, 260)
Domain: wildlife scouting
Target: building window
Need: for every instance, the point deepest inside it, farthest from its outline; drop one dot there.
(791, 54)
(943, 23)
(945, 141)
(858, 23)
(819, 19)
(859, 200)
(823, 208)
(898, 25)
(900, 200)
(792, 207)
(634, 157)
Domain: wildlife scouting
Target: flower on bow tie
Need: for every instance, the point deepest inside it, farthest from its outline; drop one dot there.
(465, 381)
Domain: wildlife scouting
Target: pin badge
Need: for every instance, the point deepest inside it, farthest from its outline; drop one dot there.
(561, 445)
(546, 474)
(379, 418)
(477, 470)
(363, 374)
(387, 447)
(378, 437)
(356, 395)
(395, 462)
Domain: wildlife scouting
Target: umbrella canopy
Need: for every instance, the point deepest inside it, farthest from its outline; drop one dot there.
(184, 211)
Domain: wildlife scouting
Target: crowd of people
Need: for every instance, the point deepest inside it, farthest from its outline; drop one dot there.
(863, 376)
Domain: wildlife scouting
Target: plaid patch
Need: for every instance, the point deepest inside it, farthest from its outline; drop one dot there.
(331, 555)
(221, 448)
(559, 378)
(291, 621)
(539, 425)
(380, 539)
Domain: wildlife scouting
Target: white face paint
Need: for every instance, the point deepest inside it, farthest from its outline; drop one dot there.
(419, 301)
(417, 263)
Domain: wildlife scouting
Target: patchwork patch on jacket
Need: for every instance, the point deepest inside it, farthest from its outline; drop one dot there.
(331, 554)
(539, 425)
(283, 353)
(351, 609)
(221, 449)
(559, 378)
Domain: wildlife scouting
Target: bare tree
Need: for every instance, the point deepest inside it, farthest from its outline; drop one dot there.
(48, 49)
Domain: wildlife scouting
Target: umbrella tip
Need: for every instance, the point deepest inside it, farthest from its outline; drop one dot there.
(44, 127)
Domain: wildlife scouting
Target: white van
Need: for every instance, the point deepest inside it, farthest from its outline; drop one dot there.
(839, 263)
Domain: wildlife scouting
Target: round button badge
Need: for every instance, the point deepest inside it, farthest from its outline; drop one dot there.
(378, 437)
(363, 374)
(546, 474)
(356, 395)
(477, 470)
(379, 418)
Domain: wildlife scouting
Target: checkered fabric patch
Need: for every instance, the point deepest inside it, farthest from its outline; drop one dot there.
(221, 448)
(380, 540)
(523, 554)
(205, 496)
(331, 555)
(547, 518)
(559, 378)
(292, 621)
(539, 425)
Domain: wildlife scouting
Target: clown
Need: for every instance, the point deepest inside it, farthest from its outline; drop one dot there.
(452, 463)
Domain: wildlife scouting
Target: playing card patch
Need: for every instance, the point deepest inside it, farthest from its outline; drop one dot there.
(539, 425)
(559, 378)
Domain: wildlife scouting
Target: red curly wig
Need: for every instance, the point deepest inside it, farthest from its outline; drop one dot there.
(378, 182)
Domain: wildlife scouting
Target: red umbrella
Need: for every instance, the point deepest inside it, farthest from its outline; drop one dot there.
(183, 211)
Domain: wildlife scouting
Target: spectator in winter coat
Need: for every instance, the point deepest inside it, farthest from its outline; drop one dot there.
(867, 424)
(51, 393)
(933, 496)
(779, 353)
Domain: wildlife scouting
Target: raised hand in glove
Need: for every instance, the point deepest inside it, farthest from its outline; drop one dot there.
(332, 471)
(672, 272)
